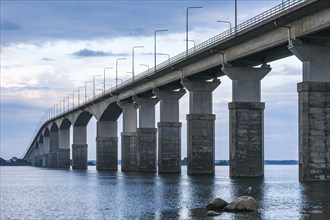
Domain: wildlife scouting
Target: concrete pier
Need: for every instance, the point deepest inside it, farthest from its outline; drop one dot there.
(107, 146)
(45, 158)
(246, 121)
(200, 126)
(129, 136)
(314, 111)
(79, 148)
(64, 148)
(146, 134)
(169, 131)
(53, 150)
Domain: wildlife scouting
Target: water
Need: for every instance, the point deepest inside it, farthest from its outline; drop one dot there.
(37, 193)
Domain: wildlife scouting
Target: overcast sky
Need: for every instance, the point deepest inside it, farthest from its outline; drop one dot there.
(50, 48)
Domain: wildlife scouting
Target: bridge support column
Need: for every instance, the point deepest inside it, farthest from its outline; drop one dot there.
(45, 158)
(146, 134)
(129, 136)
(246, 121)
(314, 111)
(169, 131)
(107, 146)
(40, 153)
(64, 149)
(53, 150)
(200, 126)
(79, 148)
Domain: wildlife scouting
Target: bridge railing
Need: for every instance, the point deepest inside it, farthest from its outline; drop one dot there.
(180, 57)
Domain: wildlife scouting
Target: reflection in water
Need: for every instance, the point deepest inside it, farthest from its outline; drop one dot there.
(34, 193)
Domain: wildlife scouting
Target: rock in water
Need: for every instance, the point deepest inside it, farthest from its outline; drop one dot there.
(216, 204)
(242, 204)
(213, 213)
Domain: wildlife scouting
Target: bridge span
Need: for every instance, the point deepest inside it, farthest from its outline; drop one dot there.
(296, 27)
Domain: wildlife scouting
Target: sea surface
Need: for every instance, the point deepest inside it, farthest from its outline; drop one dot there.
(39, 193)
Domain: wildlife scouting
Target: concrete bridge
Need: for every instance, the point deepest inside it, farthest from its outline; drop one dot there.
(296, 27)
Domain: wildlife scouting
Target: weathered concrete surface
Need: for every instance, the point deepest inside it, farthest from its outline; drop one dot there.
(129, 151)
(246, 142)
(314, 131)
(107, 153)
(64, 158)
(79, 156)
(146, 149)
(201, 142)
(169, 147)
(45, 160)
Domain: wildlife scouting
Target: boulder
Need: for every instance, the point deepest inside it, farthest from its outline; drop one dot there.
(213, 213)
(216, 204)
(242, 204)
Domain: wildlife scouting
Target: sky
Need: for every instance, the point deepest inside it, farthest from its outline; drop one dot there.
(50, 48)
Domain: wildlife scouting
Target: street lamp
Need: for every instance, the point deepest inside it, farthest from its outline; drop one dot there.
(187, 26)
(165, 54)
(235, 17)
(191, 41)
(156, 46)
(94, 84)
(133, 59)
(73, 97)
(228, 22)
(146, 66)
(86, 89)
(79, 93)
(117, 70)
(104, 77)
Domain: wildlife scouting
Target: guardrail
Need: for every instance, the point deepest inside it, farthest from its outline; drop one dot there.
(51, 114)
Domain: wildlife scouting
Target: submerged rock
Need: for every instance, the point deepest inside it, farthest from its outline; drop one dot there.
(216, 204)
(242, 204)
(213, 213)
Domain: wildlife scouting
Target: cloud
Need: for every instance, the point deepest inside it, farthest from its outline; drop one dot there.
(95, 53)
(9, 25)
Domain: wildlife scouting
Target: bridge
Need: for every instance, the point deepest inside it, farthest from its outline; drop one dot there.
(296, 27)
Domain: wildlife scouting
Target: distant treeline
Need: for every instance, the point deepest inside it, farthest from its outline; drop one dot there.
(13, 162)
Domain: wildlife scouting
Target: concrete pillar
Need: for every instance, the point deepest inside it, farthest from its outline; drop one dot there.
(106, 145)
(40, 152)
(64, 148)
(169, 131)
(200, 126)
(53, 148)
(45, 159)
(129, 136)
(146, 134)
(79, 148)
(246, 121)
(314, 111)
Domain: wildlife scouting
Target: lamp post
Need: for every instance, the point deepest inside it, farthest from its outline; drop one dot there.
(155, 58)
(86, 89)
(165, 54)
(117, 70)
(73, 97)
(235, 16)
(79, 93)
(187, 12)
(133, 59)
(94, 84)
(228, 22)
(109, 67)
(146, 66)
(191, 41)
